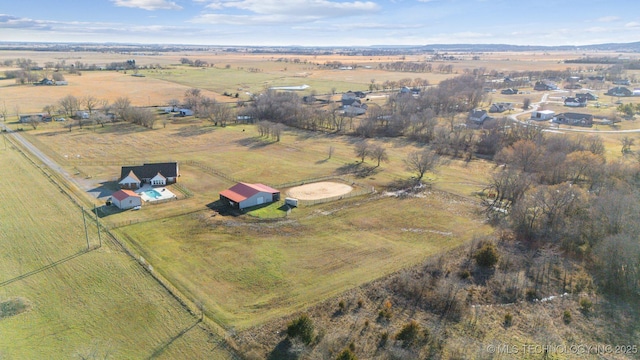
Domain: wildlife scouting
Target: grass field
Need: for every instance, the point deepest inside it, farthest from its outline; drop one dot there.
(245, 270)
(248, 272)
(79, 303)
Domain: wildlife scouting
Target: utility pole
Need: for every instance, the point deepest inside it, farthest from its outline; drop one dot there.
(86, 233)
(95, 210)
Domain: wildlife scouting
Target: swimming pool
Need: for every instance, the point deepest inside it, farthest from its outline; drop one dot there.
(153, 194)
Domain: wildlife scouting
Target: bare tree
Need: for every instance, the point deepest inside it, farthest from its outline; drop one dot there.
(626, 143)
(49, 109)
(121, 107)
(69, 104)
(35, 121)
(379, 153)
(362, 150)
(90, 103)
(421, 162)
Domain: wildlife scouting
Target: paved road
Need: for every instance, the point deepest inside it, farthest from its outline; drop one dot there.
(39, 154)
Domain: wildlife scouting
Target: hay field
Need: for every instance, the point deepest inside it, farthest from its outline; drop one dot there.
(103, 85)
(78, 302)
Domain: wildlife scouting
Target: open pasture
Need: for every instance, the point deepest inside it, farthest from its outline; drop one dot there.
(249, 272)
(103, 85)
(79, 302)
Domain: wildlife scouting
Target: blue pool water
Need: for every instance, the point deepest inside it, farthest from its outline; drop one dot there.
(152, 194)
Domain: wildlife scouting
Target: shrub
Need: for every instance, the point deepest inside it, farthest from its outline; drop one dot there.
(360, 303)
(386, 311)
(508, 319)
(465, 274)
(384, 337)
(566, 317)
(531, 294)
(301, 328)
(409, 334)
(487, 256)
(585, 305)
(347, 354)
(342, 306)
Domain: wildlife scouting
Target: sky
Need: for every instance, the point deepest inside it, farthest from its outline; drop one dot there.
(322, 22)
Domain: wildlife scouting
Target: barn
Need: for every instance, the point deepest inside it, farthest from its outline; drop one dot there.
(126, 199)
(244, 195)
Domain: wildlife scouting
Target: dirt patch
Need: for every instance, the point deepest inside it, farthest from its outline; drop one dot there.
(319, 190)
(13, 307)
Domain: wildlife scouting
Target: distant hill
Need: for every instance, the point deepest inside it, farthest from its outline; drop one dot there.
(131, 47)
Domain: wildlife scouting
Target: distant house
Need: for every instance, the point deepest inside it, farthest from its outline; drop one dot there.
(82, 114)
(509, 91)
(126, 199)
(574, 119)
(349, 98)
(244, 195)
(596, 78)
(45, 81)
(575, 102)
(622, 82)
(478, 116)
(155, 174)
(587, 96)
(542, 115)
(619, 91)
(500, 107)
(25, 119)
(185, 112)
(636, 92)
(354, 109)
(545, 86)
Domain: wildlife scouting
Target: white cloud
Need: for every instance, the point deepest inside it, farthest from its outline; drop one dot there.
(14, 22)
(608, 19)
(293, 11)
(632, 25)
(148, 4)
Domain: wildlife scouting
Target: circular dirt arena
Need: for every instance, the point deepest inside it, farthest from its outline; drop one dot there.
(319, 190)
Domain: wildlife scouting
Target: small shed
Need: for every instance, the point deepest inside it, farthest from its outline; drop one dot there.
(126, 199)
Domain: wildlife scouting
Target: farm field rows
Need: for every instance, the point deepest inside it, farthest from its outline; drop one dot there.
(79, 302)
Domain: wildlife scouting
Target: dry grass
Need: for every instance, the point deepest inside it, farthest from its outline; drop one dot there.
(99, 302)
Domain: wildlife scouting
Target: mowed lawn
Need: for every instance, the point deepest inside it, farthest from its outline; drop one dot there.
(79, 303)
(247, 272)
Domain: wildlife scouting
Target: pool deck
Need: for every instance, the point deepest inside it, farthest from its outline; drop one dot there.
(164, 193)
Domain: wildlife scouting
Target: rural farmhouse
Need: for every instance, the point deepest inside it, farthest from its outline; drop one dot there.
(243, 195)
(155, 174)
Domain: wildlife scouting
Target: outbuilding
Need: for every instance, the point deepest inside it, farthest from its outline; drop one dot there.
(126, 199)
(244, 195)
(542, 115)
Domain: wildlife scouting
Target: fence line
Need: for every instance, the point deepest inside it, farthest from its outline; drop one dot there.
(185, 301)
(210, 170)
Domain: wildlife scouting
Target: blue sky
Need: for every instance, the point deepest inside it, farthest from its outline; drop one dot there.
(322, 22)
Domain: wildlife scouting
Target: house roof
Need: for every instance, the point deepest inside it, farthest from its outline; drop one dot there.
(571, 115)
(132, 175)
(242, 191)
(123, 194)
(148, 171)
